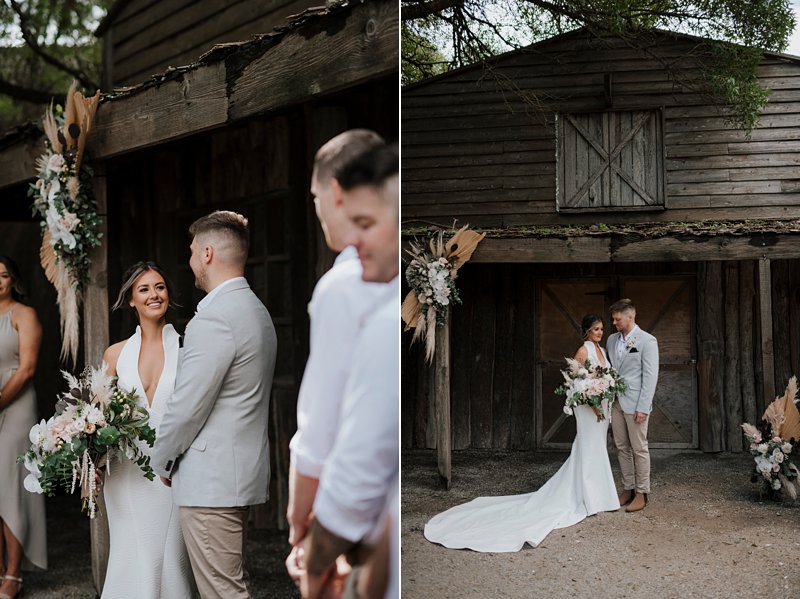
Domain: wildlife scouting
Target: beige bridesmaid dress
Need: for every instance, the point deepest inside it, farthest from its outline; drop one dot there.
(21, 510)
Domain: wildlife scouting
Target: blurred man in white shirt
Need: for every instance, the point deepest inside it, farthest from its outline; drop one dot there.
(339, 302)
(360, 478)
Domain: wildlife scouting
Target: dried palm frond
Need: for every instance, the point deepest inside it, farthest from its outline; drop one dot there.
(51, 129)
(410, 310)
(67, 295)
(430, 335)
(751, 432)
(782, 413)
(774, 415)
(789, 486)
(462, 245)
(85, 109)
(72, 126)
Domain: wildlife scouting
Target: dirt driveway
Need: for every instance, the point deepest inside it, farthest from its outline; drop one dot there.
(706, 533)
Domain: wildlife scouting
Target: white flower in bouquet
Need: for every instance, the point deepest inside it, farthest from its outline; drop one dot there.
(776, 467)
(776, 439)
(95, 416)
(56, 163)
(777, 455)
(79, 424)
(764, 465)
(786, 447)
(776, 484)
(57, 231)
(763, 447)
(567, 410)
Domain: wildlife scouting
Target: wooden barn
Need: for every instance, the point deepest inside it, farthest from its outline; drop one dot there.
(236, 129)
(598, 173)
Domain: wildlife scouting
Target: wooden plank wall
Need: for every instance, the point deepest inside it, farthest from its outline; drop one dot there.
(148, 36)
(492, 348)
(479, 148)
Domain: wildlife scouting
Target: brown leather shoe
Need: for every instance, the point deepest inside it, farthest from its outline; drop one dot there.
(625, 497)
(638, 503)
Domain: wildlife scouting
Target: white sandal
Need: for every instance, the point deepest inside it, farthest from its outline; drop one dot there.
(19, 588)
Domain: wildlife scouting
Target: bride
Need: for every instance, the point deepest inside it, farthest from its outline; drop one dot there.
(583, 486)
(147, 554)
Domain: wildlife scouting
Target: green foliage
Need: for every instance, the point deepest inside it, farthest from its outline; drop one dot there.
(738, 31)
(61, 31)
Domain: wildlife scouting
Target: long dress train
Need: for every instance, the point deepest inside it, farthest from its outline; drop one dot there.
(583, 486)
(147, 555)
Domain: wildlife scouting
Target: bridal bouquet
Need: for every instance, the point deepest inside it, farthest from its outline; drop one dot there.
(587, 384)
(774, 442)
(94, 421)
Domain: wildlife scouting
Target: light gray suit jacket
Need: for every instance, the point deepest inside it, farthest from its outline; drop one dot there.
(639, 368)
(212, 440)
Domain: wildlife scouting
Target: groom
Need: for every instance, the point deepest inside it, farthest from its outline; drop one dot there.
(634, 354)
(212, 445)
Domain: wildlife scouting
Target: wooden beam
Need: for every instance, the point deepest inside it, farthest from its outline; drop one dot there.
(319, 57)
(95, 342)
(733, 394)
(613, 249)
(18, 162)
(549, 249)
(747, 333)
(765, 318)
(710, 347)
(442, 400)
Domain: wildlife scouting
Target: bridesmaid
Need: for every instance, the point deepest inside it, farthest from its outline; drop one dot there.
(23, 540)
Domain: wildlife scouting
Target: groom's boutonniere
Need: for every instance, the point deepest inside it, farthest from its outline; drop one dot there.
(629, 345)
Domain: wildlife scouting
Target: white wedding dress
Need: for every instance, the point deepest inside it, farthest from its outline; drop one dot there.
(583, 486)
(147, 558)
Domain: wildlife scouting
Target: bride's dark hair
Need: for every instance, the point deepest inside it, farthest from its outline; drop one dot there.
(587, 322)
(133, 273)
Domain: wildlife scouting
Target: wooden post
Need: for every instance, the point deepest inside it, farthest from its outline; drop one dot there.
(733, 396)
(765, 305)
(442, 398)
(710, 356)
(747, 294)
(95, 342)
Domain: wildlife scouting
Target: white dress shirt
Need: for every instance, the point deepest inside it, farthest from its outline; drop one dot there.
(359, 473)
(622, 341)
(340, 301)
(215, 292)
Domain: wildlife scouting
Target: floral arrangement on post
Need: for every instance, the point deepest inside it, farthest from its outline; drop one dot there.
(774, 442)
(64, 201)
(587, 384)
(431, 274)
(94, 422)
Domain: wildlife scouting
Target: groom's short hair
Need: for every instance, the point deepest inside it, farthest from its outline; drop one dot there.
(339, 151)
(377, 168)
(623, 305)
(230, 232)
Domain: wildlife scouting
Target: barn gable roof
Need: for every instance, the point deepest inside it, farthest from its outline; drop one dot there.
(581, 32)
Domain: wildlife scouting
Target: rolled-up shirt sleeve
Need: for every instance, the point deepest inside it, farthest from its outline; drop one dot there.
(336, 310)
(364, 459)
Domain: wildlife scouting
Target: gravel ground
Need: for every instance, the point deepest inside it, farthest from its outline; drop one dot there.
(706, 533)
(70, 571)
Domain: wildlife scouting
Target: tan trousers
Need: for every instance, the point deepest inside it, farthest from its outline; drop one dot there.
(215, 540)
(632, 450)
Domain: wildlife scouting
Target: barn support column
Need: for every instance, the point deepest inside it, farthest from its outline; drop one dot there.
(95, 341)
(710, 349)
(441, 396)
(765, 313)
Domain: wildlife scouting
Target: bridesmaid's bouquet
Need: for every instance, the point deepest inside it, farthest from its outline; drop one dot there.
(588, 384)
(94, 421)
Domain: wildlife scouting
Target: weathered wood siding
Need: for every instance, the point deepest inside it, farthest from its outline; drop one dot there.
(494, 337)
(147, 36)
(474, 149)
